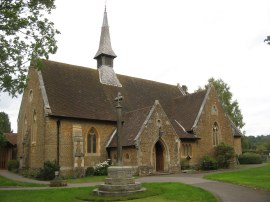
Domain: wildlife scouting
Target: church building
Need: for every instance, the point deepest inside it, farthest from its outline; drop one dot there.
(68, 114)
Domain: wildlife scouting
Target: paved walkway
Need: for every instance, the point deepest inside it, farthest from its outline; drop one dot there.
(225, 192)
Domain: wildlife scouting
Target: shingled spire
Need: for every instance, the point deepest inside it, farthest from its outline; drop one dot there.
(105, 56)
(105, 53)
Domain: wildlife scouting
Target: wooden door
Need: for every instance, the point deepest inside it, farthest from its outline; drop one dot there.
(3, 158)
(159, 157)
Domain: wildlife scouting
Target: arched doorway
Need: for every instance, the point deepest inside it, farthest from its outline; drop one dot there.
(159, 156)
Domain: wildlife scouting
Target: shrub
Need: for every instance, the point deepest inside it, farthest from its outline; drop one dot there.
(208, 163)
(224, 155)
(29, 173)
(13, 165)
(250, 158)
(89, 171)
(48, 171)
(102, 168)
(264, 157)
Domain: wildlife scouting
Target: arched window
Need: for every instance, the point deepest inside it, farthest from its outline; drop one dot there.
(34, 127)
(24, 129)
(92, 141)
(215, 134)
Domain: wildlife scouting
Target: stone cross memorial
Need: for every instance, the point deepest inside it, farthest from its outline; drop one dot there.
(120, 180)
(118, 107)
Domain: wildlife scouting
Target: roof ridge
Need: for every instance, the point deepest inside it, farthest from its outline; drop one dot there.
(122, 75)
(201, 108)
(68, 64)
(140, 109)
(95, 69)
(191, 94)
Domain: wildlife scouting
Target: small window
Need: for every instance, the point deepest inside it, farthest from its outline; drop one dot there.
(214, 110)
(30, 95)
(215, 134)
(186, 150)
(24, 128)
(35, 116)
(127, 156)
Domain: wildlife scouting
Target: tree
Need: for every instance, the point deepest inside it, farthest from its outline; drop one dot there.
(26, 35)
(225, 96)
(267, 40)
(4, 123)
(185, 89)
(224, 154)
(4, 127)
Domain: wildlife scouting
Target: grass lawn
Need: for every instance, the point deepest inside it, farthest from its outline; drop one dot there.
(254, 177)
(4, 182)
(155, 192)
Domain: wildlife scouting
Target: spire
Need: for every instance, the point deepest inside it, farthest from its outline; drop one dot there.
(105, 56)
(105, 47)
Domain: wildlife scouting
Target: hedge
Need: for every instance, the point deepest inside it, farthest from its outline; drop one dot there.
(250, 158)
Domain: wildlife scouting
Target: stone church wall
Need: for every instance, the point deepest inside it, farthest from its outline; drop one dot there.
(148, 139)
(129, 156)
(212, 112)
(237, 145)
(66, 149)
(31, 127)
(189, 159)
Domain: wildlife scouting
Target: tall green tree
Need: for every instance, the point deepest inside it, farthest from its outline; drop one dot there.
(4, 123)
(267, 40)
(230, 106)
(26, 35)
(4, 127)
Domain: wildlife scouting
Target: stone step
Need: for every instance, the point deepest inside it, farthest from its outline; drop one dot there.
(120, 172)
(115, 193)
(119, 181)
(120, 188)
(161, 173)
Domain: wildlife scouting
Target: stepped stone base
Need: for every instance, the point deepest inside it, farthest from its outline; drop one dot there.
(120, 182)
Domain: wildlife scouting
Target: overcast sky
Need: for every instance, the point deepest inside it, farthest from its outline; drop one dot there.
(174, 41)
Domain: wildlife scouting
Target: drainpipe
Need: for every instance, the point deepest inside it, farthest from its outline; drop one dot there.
(58, 141)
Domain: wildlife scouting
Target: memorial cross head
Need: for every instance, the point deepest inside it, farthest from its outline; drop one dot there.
(118, 99)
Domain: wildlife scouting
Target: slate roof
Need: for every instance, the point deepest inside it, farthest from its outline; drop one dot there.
(11, 138)
(133, 122)
(185, 109)
(75, 91)
(236, 131)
